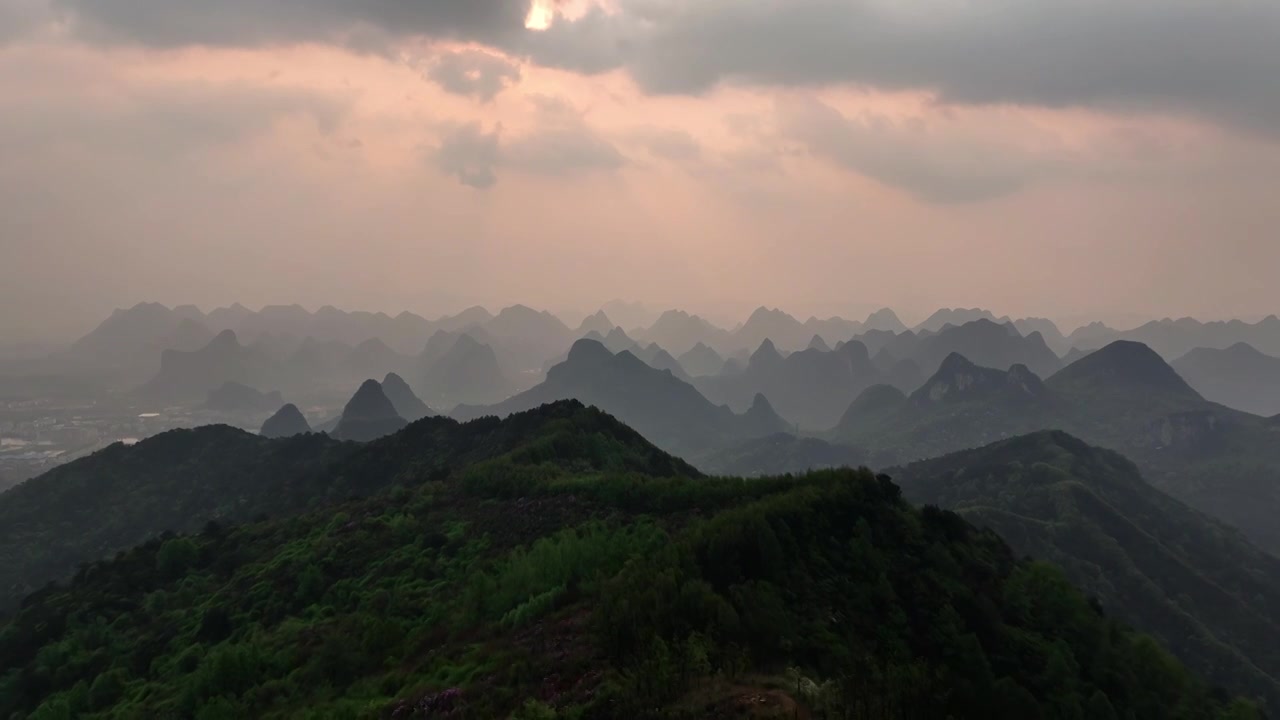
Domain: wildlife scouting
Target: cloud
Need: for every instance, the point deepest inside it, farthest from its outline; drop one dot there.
(19, 17)
(473, 73)
(563, 151)
(1217, 60)
(669, 144)
(142, 121)
(943, 162)
(561, 145)
(1214, 59)
(470, 154)
(253, 23)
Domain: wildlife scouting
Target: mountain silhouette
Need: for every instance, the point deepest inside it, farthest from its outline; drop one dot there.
(1175, 338)
(959, 380)
(1123, 397)
(765, 358)
(132, 340)
(817, 343)
(234, 397)
(1122, 367)
(599, 322)
(406, 404)
(832, 330)
(985, 343)
(442, 341)
(373, 357)
(467, 373)
(955, 317)
(528, 337)
(884, 319)
(666, 410)
(369, 415)
(873, 401)
(188, 377)
(474, 316)
(657, 358)
(617, 340)
(900, 345)
(701, 361)
(811, 388)
(287, 422)
(1048, 330)
(320, 362)
(1239, 376)
(774, 325)
(679, 332)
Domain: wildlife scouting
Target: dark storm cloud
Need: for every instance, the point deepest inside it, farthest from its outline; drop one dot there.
(1215, 59)
(18, 17)
(473, 73)
(168, 23)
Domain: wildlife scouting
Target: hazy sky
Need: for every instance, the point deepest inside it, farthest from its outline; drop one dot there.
(1066, 158)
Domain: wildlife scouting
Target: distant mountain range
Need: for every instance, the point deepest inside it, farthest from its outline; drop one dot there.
(453, 368)
(179, 356)
(956, 316)
(984, 341)
(1239, 376)
(811, 388)
(1175, 338)
(189, 376)
(701, 360)
(232, 397)
(466, 372)
(1123, 397)
(665, 409)
(815, 387)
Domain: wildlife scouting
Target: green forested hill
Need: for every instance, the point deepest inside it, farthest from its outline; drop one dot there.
(558, 566)
(118, 497)
(1194, 583)
(180, 480)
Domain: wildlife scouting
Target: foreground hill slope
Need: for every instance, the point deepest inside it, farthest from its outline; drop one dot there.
(121, 496)
(1197, 585)
(180, 480)
(583, 573)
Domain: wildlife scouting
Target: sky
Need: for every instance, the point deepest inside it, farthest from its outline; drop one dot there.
(1074, 159)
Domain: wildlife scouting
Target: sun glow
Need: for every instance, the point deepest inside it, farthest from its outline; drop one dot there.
(541, 14)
